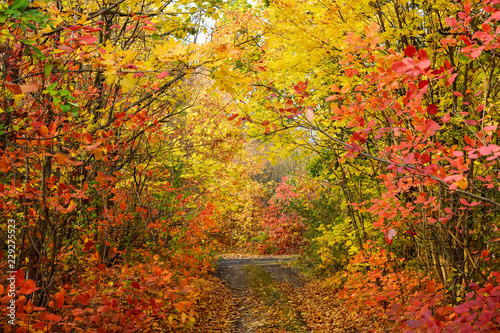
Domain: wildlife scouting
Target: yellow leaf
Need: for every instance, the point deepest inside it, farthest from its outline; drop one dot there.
(128, 82)
(98, 154)
(463, 183)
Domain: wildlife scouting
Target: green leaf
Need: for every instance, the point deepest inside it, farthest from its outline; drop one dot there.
(20, 4)
(65, 107)
(48, 69)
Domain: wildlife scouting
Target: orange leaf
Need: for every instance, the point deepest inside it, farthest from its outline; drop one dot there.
(88, 138)
(95, 318)
(103, 309)
(59, 297)
(78, 312)
(44, 130)
(97, 154)
(310, 114)
(30, 87)
(430, 286)
(28, 287)
(92, 292)
(71, 208)
(123, 205)
(60, 158)
(13, 88)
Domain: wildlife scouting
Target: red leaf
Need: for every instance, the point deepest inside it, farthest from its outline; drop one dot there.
(462, 308)
(19, 278)
(87, 39)
(425, 158)
(451, 79)
(432, 109)
(123, 205)
(422, 55)
(52, 317)
(39, 325)
(136, 285)
(162, 75)
(423, 83)
(485, 150)
(432, 125)
(467, 9)
(474, 286)
(28, 287)
(88, 138)
(450, 21)
(408, 158)
(399, 67)
(88, 245)
(446, 118)
(410, 51)
(424, 64)
(430, 286)
(485, 253)
(84, 299)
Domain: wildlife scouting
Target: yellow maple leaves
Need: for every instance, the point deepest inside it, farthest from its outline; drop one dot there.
(228, 80)
(172, 50)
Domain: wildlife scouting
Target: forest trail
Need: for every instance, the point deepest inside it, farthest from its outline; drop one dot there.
(259, 285)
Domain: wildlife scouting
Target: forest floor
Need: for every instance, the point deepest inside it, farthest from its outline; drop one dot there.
(270, 296)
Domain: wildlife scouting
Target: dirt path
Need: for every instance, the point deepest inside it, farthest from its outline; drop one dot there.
(235, 272)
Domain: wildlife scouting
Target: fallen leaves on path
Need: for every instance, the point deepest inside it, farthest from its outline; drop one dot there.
(255, 256)
(271, 306)
(216, 308)
(324, 313)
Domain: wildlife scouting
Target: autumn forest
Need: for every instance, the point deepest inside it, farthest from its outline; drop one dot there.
(153, 150)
